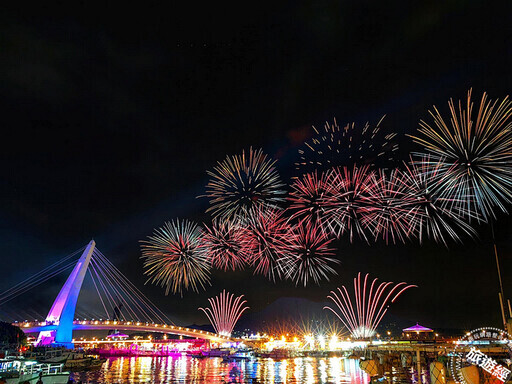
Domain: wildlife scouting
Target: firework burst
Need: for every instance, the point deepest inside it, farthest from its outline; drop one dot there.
(435, 213)
(309, 254)
(224, 312)
(475, 151)
(226, 245)
(334, 146)
(266, 232)
(308, 196)
(346, 200)
(389, 210)
(242, 182)
(174, 257)
(370, 306)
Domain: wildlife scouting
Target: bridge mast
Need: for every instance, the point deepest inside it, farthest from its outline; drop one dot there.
(62, 312)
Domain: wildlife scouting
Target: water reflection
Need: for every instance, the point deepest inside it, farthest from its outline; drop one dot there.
(163, 370)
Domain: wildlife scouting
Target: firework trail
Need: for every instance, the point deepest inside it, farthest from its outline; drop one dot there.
(346, 200)
(475, 153)
(308, 255)
(242, 182)
(308, 197)
(266, 233)
(174, 257)
(370, 305)
(334, 146)
(226, 245)
(435, 213)
(389, 209)
(224, 312)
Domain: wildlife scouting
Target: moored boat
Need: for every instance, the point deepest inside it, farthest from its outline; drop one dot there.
(19, 370)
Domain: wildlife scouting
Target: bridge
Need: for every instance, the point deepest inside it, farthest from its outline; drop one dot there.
(87, 325)
(114, 290)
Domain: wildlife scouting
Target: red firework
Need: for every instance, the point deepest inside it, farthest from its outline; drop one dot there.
(266, 234)
(309, 254)
(346, 200)
(308, 197)
(389, 212)
(226, 245)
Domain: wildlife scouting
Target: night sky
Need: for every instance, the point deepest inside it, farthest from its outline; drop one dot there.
(111, 116)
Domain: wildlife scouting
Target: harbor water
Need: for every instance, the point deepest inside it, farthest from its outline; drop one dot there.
(160, 370)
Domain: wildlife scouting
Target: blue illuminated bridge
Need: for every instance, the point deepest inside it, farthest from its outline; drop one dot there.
(120, 300)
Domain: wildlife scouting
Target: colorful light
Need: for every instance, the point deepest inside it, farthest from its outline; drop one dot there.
(362, 314)
(474, 152)
(175, 258)
(225, 311)
(226, 244)
(267, 232)
(347, 199)
(242, 182)
(309, 255)
(335, 146)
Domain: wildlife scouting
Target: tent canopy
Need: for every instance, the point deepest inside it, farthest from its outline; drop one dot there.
(417, 328)
(119, 335)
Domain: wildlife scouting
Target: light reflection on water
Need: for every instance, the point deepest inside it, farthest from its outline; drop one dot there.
(160, 370)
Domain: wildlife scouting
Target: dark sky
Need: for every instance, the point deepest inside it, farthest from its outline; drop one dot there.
(111, 115)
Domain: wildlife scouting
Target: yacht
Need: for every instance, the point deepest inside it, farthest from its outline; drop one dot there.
(18, 370)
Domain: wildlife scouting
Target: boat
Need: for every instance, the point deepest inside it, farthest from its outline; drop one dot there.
(278, 353)
(71, 359)
(78, 361)
(17, 370)
(221, 352)
(239, 354)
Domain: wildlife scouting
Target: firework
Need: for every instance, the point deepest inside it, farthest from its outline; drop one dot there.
(334, 146)
(267, 232)
(242, 182)
(346, 199)
(475, 152)
(174, 257)
(435, 213)
(224, 312)
(309, 254)
(308, 196)
(370, 305)
(389, 210)
(226, 245)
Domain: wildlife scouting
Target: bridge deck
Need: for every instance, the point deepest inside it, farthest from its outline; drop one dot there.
(33, 327)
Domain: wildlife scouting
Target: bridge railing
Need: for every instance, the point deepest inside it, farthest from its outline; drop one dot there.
(131, 324)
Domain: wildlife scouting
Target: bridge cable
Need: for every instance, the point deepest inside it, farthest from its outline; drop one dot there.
(148, 303)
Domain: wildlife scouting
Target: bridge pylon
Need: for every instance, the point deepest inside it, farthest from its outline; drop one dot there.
(62, 312)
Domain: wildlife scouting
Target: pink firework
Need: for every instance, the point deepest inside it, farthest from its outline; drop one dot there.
(346, 200)
(309, 255)
(308, 197)
(266, 233)
(389, 212)
(225, 311)
(362, 314)
(226, 245)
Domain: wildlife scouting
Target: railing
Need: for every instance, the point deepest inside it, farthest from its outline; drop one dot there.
(28, 324)
(46, 369)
